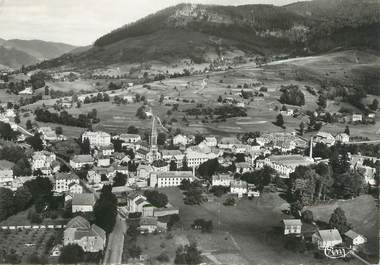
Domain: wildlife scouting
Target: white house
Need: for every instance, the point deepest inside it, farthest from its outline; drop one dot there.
(354, 239)
(180, 140)
(79, 161)
(93, 177)
(292, 226)
(63, 180)
(222, 180)
(169, 179)
(130, 138)
(97, 138)
(136, 202)
(325, 138)
(75, 188)
(196, 156)
(6, 171)
(357, 117)
(342, 137)
(42, 159)
(239, 187)
(210, 141)
(228, 142)
(327, 238)
(243, 167)
(26, 91)
(83, 202)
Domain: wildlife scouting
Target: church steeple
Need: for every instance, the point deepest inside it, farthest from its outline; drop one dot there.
(153, 136)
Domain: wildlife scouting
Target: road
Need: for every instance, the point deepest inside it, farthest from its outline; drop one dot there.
(24, 131)
(114, 250)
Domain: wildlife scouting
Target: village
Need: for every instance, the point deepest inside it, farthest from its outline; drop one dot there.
(119, 186)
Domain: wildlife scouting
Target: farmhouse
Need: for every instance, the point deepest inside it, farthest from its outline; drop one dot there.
(292, 226)
(327, 238)
(325, 138)
(48, 134)
(169, 179)
(354, 239)
(91, 238)
(83, 202)
(75, 188)
(357, 117)
(210, 141)
(151, 224)
(342, 138)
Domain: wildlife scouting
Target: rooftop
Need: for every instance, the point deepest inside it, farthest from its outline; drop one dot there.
(83, 199)
(175, 174)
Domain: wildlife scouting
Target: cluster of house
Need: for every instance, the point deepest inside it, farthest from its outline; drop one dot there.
(325, 238)
(237, 187)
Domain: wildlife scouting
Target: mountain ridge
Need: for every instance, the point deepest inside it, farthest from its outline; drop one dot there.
(200, 32)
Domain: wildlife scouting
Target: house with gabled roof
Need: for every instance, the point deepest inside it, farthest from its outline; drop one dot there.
(83, 202)
(327, 238)
(91, 238)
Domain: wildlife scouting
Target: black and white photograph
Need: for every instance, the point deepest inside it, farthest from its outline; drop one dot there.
(189, 132)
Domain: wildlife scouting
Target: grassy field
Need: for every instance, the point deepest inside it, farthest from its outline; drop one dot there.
(248, 233)
(24, 243)
(362, 213)
(260, 110)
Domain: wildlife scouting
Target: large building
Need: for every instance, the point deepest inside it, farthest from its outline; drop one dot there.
(42, 159)
(169, 179)
(196, 155)
(91, 238)
(284, 164)
(63, 181)
(97, 138)
(83, 202)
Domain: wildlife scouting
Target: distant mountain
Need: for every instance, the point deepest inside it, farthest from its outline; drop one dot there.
(14, 58)
(202, 32)
(26, 52)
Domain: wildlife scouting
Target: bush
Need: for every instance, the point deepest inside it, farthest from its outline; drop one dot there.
(229, 202)
(163, 257)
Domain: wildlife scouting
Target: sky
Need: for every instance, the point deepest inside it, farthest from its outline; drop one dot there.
(81, 22)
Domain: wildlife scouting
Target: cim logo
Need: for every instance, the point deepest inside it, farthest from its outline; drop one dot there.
(336, 252)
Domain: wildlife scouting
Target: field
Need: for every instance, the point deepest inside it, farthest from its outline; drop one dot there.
(248, 233)
(22, 244)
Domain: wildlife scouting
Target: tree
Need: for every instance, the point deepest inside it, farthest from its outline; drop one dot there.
(338, 220)
(29, 125)
(47, 92)
(347, 130)
(161, 99)
(105, 209)
(322, 101)
(132, 129)
(120, 179)
(22, 167)
(375, 105)
(296, 208)
(185, 167)
(302, 128)
(140, 113)
(36, 142)
(58, 130)
(6, 203)
(161, 138)
(17, 119)
(71, 254)
(22, 198)
(220, 99)
(188, 255)
(85, 146)
(173, 165)
(7, 133)
(156, 198)
(307, 216)
(279, 120)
